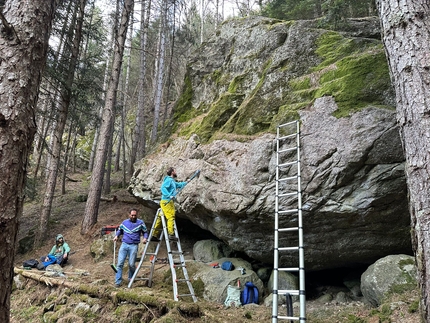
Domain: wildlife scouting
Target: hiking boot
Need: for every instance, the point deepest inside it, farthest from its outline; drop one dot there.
(172, 237)
(155, 239)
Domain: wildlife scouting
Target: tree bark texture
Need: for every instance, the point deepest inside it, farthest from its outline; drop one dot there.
(95, 189)
(24, 34)
(406, 36)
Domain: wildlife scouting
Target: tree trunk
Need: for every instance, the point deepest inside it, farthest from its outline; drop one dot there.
(66, 158)
(105, 84)
(22, 55)
(124, 101)
(94, 193)
(406, 36)
(159, 71)
(60, 125)
(170, 66)
(40, 145)
(107, 171)
(139, 136)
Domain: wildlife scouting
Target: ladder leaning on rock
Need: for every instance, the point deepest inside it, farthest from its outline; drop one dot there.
(288, 185)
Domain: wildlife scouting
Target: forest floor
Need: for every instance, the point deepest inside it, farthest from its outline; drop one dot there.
(36, 298)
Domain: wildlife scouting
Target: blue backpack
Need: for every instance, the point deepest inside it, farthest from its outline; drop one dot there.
(249, 294)
(227, 265)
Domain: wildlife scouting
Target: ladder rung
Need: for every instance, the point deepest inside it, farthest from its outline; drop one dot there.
(288, 248)
(288, 318)
(287, 194)
(288, 211)
(287, 149)
(287, 178)
(287, 136)
(145, 266)
(182, 295)
(292, 292)
(181, 280)
(288, 229)
(287, 124)
(176, 252)
(289, 269)
(179, 266)
(288, 164)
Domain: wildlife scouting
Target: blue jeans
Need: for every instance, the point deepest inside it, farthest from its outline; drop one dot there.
(130, 251)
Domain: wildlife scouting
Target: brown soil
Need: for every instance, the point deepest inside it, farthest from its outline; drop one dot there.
(30, 303)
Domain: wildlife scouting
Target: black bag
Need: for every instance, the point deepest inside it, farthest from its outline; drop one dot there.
(31, 263)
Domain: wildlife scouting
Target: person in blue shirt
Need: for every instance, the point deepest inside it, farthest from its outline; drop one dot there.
(169, 189)
(131, 230)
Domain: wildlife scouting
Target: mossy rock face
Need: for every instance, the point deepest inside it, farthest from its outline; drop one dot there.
(254, 81)
(220, 112)
(360, 76)
(183, 105)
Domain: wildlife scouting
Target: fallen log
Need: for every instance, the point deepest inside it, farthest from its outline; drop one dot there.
(109, 199)
(41, 277)
(116, 199)
(135, 296)
(72, 180)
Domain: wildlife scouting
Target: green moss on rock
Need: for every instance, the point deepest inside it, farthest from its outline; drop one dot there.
(352, 70)
(236, 83)
(184, 108)
(219, 113)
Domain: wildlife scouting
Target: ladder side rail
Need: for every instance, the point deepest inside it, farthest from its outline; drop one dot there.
(184, 268)
(170, 259)
(145, 252)
(276, 235)
(157, 248)
(133, 278)
(302, 297)
(152, 262)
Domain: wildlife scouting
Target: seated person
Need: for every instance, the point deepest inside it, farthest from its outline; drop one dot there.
(59, 252)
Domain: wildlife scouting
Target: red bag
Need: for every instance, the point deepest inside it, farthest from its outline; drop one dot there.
(109, 228)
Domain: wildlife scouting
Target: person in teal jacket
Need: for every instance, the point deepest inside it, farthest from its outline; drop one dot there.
(60, 251)
(169, 189)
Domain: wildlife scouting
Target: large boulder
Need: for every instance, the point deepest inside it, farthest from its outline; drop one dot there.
(259, 73)
(210, 250)
(217, 280)
(354, 189)
(392, 273)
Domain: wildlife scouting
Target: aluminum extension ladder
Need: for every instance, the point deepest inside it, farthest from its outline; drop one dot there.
(175, 257)
(288, 186)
